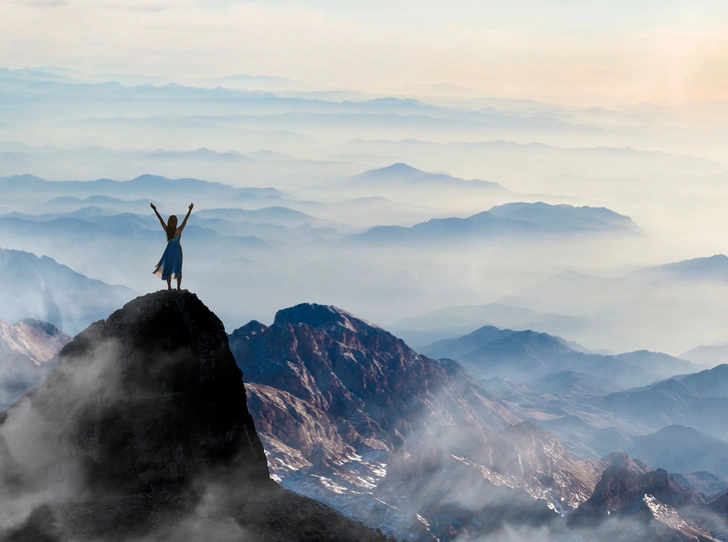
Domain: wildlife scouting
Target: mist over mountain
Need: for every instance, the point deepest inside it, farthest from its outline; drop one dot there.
(707, 483)
(27, 188)
(525, 356)
(325, 394)
(677, 448)
(535, 160)
(510, 220)
(253, 82)
(651, 498)
(41, 288)
(143, 431)
(362, 410)
(453, 322)
(711, 269)
(399, 175)
(579, 396)
(654, 299)
(707, 355)
(350, 415)
(541, 239)
(667, 403)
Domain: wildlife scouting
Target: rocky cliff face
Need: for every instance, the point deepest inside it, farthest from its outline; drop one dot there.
(651, 502)
(351, 415)
(143, 431)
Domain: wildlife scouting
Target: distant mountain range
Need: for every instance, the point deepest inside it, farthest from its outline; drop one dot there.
(713, 268)
(570, 286)
(677, 448)
(253, 82)
(401, 175)
(28, 188)
(496, 157)
(576, 395)
(707, 355)
(281, 216)
(631, 311)
(696, 400)
(651, 300)
(226, 229)
(40, 287)
(526, 356)
(505, 221)
(452, 322)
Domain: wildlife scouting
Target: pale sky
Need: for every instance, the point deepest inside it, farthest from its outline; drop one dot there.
(585, 53)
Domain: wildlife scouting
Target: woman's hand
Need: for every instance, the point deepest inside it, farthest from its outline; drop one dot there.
(191, 206)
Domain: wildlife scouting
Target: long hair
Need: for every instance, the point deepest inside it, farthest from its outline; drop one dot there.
(171, 227)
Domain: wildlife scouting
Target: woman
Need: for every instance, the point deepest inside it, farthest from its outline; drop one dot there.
(171, 263)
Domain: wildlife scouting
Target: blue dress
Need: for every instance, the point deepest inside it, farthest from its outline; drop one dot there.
(171, 263)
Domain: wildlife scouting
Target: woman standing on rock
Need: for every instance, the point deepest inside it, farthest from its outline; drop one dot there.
(171, 263)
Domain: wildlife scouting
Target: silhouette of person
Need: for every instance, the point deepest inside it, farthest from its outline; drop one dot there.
(170, 266)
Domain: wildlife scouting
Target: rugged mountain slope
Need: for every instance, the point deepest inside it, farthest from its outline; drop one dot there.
(347, 413)
(651, 504)
(27, 354)
(142, 431)
(708, 383)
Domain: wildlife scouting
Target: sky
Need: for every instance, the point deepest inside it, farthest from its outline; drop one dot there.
(580, 53)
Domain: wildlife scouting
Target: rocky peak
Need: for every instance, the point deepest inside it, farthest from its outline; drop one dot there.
(340, 325)
(315, 315)
(143, 402)
(249, 330)
(38, 341)
(143, 420)
(368, 381)
(350, 414)
(623, 461)
(622, 489)
(28, 352)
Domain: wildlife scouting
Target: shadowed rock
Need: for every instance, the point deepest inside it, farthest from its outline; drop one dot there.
(143, 431)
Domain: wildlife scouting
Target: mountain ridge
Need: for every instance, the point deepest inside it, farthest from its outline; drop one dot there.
(505, 221)
(151, 438)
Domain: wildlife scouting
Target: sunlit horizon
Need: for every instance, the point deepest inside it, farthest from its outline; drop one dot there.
(602, 54)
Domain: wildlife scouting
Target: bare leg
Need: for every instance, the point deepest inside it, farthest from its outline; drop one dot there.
(179, 281)
(169, 283)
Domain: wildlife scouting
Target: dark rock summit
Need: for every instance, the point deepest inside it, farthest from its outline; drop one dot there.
(143, 431)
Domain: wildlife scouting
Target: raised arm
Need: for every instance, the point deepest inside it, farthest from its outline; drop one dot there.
(161, 220)
(184, 222)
